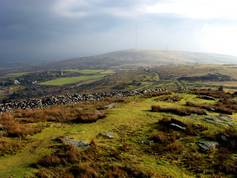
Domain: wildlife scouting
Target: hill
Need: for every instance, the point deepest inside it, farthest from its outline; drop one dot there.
(144, 58)
(155, 135)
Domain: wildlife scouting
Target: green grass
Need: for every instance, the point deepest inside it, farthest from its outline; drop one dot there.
(133, 116)
(71, 80)
(89, 71)
(18, 74)
(86, 76)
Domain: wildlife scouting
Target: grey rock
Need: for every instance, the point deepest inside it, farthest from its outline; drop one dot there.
(108, 135)
(206, 97)
(207, 145)
(220, 120)
(80, 143)
(110, 106)
(177, 126)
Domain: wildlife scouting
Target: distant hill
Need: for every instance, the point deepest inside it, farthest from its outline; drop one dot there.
(125, 58)
(11, 66)
(144, 58)
(19, 64)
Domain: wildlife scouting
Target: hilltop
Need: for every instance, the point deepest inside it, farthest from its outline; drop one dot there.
(136, 58)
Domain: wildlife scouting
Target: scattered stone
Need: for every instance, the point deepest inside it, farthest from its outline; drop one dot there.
(207, 146)
(80, 144)
(206, 97)
(225, 118)
(108, 135)
(220, 120)
(209, 119)
(146, 142)
(110, 106)
(178, 125)
(16, 82)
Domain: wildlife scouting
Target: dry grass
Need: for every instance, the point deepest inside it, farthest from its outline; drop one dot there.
(179, 111)
(213, 93)
(220, 107)
(156, 94)
(61, 114)
(68, 161)
(15, 129)
(169, 98)
(9, 147)
(189, 129)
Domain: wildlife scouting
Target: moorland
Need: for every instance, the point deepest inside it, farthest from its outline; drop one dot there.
(164, 120)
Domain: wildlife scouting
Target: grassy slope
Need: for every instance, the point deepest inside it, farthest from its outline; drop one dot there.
(133, 116)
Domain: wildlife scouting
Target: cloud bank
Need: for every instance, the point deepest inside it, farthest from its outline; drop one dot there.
(194, 9)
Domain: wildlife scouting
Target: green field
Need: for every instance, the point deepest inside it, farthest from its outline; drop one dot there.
(89, 71)
(89, 75)
(18, 74)
(72, 80)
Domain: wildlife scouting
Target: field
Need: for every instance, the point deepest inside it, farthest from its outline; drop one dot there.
(172, 77)
(85, 76)
(18, 74)
(89, 71)
(71, 80)
(129, 140)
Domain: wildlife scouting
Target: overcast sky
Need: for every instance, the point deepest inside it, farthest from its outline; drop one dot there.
(59, 29)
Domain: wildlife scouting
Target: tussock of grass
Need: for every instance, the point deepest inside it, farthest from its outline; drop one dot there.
(62, 114)
(219, 107)
(9, 147)
(156, 94)
(89, 163)
(178, 111)
(14, 129)
(169, 98)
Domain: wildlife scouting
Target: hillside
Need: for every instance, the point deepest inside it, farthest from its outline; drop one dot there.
(144, 58)
(155, 135)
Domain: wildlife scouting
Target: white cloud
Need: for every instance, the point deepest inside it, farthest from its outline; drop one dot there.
(217, 38)
(72, 8)
(194, 9)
